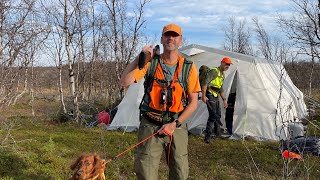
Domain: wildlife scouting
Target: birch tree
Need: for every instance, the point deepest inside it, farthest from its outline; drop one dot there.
(19, 29)
(302, 28)
(237, 37)
(123, 34)
(271, 48)
(68, 35)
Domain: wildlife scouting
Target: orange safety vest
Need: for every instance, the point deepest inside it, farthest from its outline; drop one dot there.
(157, 97)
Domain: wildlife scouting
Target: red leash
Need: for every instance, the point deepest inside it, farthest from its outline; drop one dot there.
(114, 158)
(169, 147)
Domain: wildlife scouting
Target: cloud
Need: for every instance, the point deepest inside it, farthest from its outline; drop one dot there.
(208, 17)
(199, 12)
(149, 13)
(177, 19)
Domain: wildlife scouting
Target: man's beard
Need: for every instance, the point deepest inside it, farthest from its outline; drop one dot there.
(172, 48)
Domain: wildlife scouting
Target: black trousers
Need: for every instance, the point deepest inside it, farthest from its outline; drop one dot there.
(229, 119)
(214, 123)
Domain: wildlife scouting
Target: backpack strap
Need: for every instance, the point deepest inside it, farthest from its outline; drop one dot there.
(149, 76)
(183, 78)
(148, 81)
(153, 66)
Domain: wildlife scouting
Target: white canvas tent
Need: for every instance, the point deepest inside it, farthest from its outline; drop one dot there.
(266, 98)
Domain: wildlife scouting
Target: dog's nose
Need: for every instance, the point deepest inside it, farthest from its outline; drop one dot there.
(79, 172)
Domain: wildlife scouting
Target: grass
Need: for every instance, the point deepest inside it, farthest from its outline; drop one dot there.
(41, 148)
(44, 150)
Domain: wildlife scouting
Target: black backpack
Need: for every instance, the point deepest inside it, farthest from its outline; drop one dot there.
(302, 145)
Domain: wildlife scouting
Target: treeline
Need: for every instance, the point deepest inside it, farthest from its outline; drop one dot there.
(104, 80)
(300, 74)
(104, 83)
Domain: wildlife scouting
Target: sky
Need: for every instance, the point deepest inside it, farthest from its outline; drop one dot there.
(202, 21)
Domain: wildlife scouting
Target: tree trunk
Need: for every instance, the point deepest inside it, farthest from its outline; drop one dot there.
(31, 91)
(94, 50)
(61, 88)
(25, 85)
(311, 75)
(70, 63)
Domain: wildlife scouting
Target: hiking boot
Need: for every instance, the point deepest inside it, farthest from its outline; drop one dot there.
(207, 139)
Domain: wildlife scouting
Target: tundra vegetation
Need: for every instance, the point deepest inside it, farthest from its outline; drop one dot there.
(60, 63)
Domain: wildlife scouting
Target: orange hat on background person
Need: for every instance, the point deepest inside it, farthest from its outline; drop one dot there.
(172, 27)
(226, 60)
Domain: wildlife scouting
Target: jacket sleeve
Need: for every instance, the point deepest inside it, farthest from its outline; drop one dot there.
(139, 74)
(193, 80)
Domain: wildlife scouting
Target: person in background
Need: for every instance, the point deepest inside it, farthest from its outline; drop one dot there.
(230, 112)
(211, 89)
(167, 103)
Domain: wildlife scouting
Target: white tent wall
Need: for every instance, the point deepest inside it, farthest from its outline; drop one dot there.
(288, 99)
(258, 84)
(127, 116)
(260, 104)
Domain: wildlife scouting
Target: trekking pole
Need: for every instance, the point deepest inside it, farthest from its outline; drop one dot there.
(115, 157)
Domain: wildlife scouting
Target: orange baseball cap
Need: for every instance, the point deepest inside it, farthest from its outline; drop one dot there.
(226, 60)
(172, 27)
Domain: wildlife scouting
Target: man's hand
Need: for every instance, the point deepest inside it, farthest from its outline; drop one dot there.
(225, 103)
(167, 129)
(149, 52)
(204, 98)
(145, 56)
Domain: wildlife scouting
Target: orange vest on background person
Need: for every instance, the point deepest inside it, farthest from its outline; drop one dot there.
(151, 100)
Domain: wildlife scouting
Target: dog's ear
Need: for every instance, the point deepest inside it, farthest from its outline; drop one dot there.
(96, 164)
(75, 163)
(96, 159)
(103, 163)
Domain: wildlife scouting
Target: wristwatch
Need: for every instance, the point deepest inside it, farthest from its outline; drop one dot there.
(178, 124)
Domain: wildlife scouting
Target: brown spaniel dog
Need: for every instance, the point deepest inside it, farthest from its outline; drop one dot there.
(89, 167)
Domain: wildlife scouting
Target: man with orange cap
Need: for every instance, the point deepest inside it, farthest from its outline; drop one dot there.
(171, 95)
(210, 90)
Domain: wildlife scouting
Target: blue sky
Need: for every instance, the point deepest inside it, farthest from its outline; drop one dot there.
(202, 21)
